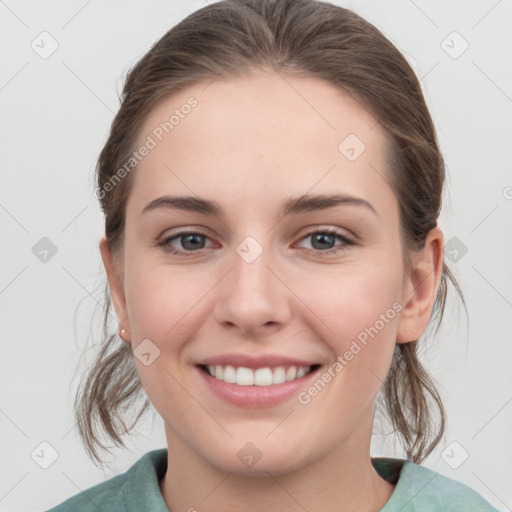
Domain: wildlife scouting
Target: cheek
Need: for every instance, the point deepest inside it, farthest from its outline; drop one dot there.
(359, 313)
(161, 302)
(353, 300)
(167, 303)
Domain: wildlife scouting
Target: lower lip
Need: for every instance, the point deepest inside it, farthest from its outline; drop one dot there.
(255, 396)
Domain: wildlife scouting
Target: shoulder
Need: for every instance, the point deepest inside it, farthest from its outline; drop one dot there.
(422, 489)
(139, 485)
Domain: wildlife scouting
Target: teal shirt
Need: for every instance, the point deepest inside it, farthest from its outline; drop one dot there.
(418, 489)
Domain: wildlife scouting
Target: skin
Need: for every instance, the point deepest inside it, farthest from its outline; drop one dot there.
(250, 144)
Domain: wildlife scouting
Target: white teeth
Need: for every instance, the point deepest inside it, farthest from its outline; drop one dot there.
(291, 373)
(278, 375)
(261, 377)
(301, 372)
(229, 375)
(244, 376)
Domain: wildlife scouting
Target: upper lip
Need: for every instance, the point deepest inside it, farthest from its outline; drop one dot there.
(254, 362)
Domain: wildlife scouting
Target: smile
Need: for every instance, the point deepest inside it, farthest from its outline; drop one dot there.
(266, 376)
(250, 381)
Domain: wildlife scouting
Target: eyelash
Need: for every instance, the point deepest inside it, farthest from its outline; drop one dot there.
(165, 243)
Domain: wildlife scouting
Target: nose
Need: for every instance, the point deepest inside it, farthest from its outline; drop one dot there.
(253, 297)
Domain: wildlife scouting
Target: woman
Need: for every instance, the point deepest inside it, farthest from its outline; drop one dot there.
(271, 187)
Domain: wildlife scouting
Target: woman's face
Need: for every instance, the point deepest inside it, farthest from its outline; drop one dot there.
(254, 287)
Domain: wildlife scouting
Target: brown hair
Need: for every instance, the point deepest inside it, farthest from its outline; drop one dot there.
(301, 38)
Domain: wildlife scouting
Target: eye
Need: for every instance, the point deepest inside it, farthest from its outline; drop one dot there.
(190, 241)
(324, 240)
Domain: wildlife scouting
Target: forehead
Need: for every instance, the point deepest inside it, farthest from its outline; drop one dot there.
(263, 134)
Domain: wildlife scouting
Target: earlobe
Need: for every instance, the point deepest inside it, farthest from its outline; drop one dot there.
(116, 289)
(420, 288)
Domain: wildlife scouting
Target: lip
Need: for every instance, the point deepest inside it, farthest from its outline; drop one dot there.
(254, 397)
(263, 361)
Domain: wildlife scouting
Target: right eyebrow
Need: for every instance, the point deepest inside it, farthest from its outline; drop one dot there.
(291, 206)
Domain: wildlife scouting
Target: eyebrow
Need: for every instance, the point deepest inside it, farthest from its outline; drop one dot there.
(291, 206)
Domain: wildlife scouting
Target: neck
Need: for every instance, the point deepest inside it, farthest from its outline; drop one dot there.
(342, 480)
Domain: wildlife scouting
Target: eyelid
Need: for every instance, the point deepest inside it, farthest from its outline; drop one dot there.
(174, 232)
(347, 240)
(166, 239)
(327, 228)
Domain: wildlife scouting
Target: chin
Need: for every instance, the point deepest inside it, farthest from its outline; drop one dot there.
(260, 458)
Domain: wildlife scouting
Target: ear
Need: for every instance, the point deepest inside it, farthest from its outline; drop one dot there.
(116, 285)
(420, 287)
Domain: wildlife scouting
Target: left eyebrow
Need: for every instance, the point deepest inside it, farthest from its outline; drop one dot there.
(291, 206)
(322, 202)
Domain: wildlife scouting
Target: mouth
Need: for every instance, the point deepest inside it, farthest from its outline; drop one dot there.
(263, 377)
(250, 381)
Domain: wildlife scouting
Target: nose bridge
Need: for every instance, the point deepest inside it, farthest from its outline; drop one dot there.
(253, 296)
(251, 272)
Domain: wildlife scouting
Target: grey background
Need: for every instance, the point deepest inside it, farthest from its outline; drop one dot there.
(55, 113)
